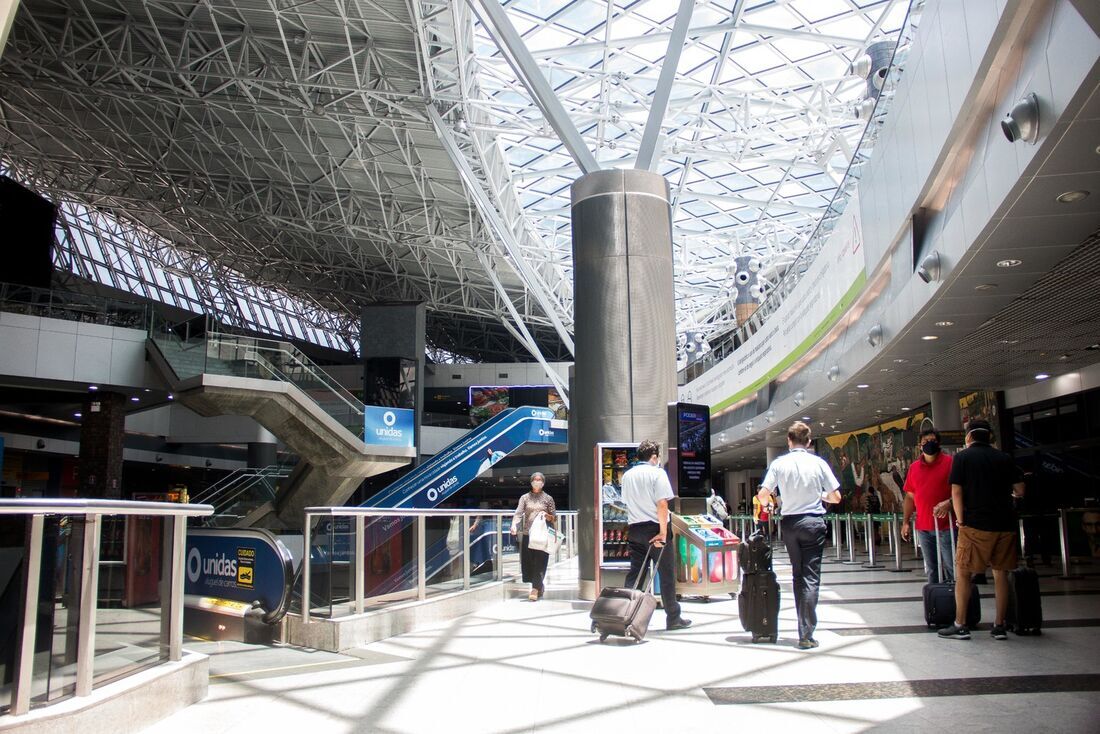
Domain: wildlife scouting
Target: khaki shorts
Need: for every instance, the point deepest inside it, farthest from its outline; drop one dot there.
(981, 549)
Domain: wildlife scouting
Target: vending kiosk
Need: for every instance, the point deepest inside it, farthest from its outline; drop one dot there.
(706, 555)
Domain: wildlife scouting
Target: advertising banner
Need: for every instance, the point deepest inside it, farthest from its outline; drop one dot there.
(238, 565)
(388, 426)
(474, 454)
(830, 285)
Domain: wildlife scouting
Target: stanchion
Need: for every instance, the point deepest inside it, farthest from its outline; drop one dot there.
(869, 528)
(838, 542)
(850, 537)
(895, 534)
(1063, 541)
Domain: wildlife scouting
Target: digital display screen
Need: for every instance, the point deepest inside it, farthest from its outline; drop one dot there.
(693, 448)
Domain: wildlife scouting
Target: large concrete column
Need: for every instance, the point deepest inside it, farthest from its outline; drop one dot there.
(624, 328)
(946, 414)
(102, 429)
(773, 453)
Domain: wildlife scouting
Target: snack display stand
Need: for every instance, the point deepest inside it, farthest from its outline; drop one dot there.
(706, 563)
(612, 461)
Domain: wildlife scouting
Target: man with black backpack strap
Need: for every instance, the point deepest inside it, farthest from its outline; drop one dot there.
(806, 482)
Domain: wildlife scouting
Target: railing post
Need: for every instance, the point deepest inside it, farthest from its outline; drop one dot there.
(838, 542)
(498, 555)
(24, 661)
(421, 561)
(307, 542)
(850, 536)
(176, 536)
(1063, 541)
(360, 562)
(465, 551)
(89, 593)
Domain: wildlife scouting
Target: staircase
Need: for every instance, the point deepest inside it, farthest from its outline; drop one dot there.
(214, 373)
(237, 496)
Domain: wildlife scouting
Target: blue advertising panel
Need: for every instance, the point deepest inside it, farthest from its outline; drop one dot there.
(388, 426)
(474, 454)
(239, 565)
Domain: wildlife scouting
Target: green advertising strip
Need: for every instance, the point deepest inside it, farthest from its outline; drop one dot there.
(819, 331)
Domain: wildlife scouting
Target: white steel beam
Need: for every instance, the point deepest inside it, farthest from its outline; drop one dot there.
(648, 153)
(511, 45)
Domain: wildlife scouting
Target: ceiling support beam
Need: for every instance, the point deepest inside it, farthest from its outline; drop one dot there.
(648, 154)
(512, 47)
(531, 280)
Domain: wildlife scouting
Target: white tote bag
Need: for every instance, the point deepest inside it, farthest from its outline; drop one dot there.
(538, 535)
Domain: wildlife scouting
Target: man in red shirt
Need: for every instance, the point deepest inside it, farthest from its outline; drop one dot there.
(928, 491)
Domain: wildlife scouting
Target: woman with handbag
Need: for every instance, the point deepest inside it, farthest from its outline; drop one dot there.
(534, 514)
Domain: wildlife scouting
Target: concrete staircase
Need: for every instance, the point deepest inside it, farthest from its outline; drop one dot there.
(333, 459)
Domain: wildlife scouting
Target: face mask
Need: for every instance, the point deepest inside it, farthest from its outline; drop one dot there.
(931, 448)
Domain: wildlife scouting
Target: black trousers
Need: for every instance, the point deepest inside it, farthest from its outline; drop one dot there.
(804, 536)
(638, 537)
(532, 563)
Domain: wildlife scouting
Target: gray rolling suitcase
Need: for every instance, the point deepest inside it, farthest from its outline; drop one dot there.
(625, 611)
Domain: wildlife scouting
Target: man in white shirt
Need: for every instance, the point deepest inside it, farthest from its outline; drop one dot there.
(646, 492)
(806, 482)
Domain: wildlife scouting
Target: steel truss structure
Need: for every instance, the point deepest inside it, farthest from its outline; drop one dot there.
(283, 164)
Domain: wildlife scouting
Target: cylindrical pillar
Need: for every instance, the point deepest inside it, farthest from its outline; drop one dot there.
(946, 414)
(774, 452)
(624, 327)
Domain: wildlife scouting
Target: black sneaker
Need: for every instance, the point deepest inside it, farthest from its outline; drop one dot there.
(678, 624)
(955, 632)
(998, 632)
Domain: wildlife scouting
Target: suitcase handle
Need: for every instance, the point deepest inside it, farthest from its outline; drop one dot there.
(653, 572)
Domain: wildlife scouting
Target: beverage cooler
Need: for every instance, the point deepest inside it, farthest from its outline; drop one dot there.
(706, 557)
(612, 461)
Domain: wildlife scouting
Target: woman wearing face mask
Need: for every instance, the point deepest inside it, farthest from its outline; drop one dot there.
(928, 491)
(533, 562)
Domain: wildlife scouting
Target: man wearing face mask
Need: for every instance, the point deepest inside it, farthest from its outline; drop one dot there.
(928, 492)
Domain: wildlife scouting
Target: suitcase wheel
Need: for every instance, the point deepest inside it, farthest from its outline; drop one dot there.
(706, 599)
(595, 626)
(733, 595)
(603, 636)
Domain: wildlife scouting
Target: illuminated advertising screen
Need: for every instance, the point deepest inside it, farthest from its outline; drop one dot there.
(692, 432)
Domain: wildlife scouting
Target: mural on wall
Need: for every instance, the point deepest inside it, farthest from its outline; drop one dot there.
(879, 456)
(874, 457)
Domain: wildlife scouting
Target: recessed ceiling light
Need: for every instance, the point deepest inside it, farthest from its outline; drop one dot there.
(1010, 341)
(929, 337)
(77, 415)
(1072, 197)
(905, 408)
(1092, 347)
(1042, 376)
(863, 386)
(901, 361)
(134, 399)
(93, 388)
(884, 369)
(1009, 263)
(945, 323)
(807, 418)
(985, 286)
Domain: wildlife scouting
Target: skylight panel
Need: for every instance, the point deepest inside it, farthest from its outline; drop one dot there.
(854, 26)
(818, 10)
(548, 37)
(757, 59)
(775, 16)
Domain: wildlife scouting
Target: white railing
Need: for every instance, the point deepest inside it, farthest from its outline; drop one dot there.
(92, 513)
(426, 567)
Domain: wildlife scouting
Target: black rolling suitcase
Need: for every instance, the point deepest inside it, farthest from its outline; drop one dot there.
(939, 599)
(758, 601)
(758, 606)
(1025, 607)
(624, 611)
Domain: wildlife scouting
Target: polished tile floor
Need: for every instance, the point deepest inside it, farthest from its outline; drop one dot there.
(518, 666)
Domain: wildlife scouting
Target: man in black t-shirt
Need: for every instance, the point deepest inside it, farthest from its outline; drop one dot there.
(983, 483)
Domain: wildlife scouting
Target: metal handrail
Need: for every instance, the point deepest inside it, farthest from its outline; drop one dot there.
(36, 510)
(566, 528)
(100, 507)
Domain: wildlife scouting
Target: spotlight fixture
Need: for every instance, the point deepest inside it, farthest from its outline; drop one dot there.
(861, 67)
(159, 458)
(1009, 263)
(930, 267)
(798, 398)
(874, 336)
(40, 443)
(209, 463)
(1072, 197)
(1022, 121)
(1042, 376)
(834, 372)
(769, 416)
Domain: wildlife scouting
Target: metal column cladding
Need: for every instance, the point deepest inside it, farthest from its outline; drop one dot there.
(624, 324)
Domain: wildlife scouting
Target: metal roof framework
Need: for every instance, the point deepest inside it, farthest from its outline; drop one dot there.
(230, 152)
